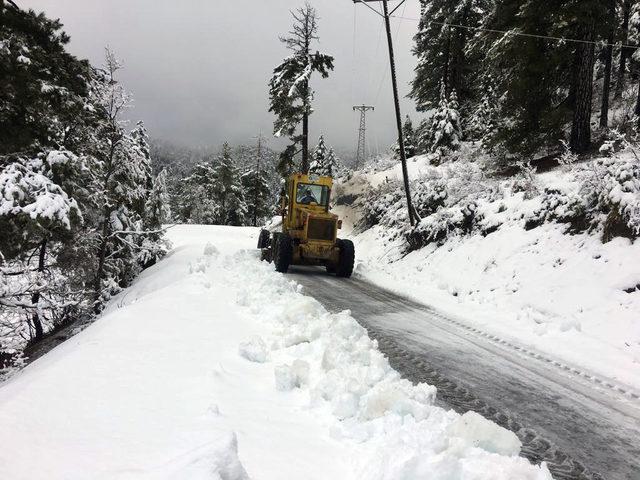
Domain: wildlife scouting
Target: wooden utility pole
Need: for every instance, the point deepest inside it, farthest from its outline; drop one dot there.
(386, 15)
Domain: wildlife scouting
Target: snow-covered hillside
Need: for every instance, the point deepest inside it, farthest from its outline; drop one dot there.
(214, 366)
(504, 256)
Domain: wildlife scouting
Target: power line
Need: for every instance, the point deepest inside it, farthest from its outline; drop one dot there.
(519, 34)
(384, 76)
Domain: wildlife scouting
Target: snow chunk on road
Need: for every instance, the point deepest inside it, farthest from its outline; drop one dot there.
(291, 376)
(254, 350)
(210, 250)
(476, 431)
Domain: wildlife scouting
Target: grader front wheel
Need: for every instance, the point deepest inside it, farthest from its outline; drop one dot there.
(282, 252)
(264, 239)
(344, 268)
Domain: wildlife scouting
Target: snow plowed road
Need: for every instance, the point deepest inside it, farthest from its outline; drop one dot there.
(584, 426)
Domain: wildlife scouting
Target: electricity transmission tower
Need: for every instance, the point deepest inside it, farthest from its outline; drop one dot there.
(361, 155)
(386, 15)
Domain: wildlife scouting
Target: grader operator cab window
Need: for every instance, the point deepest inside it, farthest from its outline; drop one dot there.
(309, 194)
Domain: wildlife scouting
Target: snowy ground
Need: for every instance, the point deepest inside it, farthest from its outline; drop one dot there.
(570, 296)
(212, 366)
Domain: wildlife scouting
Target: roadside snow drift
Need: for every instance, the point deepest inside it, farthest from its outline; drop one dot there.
(213, 366)
(564, 293)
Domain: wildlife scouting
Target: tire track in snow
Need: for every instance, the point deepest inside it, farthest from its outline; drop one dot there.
(577, 422)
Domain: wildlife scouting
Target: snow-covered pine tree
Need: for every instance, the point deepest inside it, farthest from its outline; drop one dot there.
(446, 132)
(443, 54)
(485, 117)
(197, 196)
(36, 214)
(290, 92)
(122, 175)
(423, 137)
(318, 156)
(410, 140)
(229, 190)
(331, 164)
(157, 212)
(258, 196)
(325, 162)
(44, 88)
(543, 85)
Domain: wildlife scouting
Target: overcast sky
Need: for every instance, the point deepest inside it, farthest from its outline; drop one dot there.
(199, 69)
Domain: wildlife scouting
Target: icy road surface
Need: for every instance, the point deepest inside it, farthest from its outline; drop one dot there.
(583, 425)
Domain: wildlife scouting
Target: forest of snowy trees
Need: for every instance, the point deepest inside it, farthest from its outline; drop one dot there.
(81, 213)
(499, 72)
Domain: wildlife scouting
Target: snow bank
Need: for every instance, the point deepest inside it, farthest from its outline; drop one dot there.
(519, 273)
(391, 427)
(215, 366)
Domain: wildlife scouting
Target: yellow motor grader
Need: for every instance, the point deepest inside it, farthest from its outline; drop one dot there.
(308, 233)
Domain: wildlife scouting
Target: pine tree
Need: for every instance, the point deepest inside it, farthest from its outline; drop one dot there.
(423, 137)
(258, 195)
(197, 196)
(318, 157)
(443, 55)
(446, 132)
(543, 85)
(331, 164)
(486, 116)
(35, 214)
(122, 175)
(290, 92)
(325, 162)
(157, 212)
(44, 88)
(229, 190)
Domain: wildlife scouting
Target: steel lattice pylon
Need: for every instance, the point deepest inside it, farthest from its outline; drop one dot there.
(362, 140)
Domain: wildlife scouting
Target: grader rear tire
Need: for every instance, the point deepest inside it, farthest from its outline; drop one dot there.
(282, 252)
(344, 268)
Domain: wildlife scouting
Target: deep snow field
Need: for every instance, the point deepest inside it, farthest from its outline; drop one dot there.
(561, 294)
(213, 366)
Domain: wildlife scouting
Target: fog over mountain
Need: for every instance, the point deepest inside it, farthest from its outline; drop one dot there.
(199, 69)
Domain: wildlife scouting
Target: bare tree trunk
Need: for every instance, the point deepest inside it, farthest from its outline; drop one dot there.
(606, 85)
(624, 52)
(305, 133)
(35, 298)
(581, 127)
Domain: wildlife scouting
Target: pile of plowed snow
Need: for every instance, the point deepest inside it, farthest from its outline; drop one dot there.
(214, 366)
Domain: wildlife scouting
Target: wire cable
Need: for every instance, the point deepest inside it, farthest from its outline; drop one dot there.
(519, 34)
(384, 76)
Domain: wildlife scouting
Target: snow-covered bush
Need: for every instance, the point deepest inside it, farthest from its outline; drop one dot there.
(381, 205)
(429, 194)
(525, 181)
(437, 227)
(611, 188)
(559, 206)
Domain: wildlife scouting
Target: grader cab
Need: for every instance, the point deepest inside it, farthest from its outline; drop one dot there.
(308, 233)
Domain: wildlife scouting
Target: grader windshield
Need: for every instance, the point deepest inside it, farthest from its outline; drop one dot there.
(310, 194)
